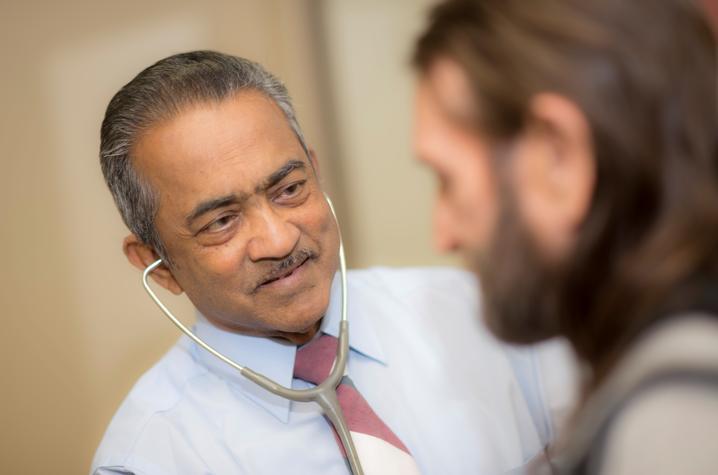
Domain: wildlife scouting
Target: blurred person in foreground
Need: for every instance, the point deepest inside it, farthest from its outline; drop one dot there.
(576, 146)
(208, 166)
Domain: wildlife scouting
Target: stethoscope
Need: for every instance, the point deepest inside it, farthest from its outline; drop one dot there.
(323, 394)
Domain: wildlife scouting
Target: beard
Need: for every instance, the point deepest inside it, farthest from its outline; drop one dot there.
(521, 289)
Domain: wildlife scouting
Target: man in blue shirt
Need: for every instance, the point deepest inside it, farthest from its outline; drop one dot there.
(210, 171)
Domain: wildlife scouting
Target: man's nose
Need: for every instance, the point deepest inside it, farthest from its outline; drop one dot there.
(273, 236)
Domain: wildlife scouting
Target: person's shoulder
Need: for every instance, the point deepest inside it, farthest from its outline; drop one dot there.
(159, 388)
(157, 391)
(672, 428)
(658, 411)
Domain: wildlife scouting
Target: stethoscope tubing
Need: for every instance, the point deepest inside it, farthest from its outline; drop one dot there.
(324, 394)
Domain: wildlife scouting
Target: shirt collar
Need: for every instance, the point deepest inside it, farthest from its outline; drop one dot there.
(275, 358)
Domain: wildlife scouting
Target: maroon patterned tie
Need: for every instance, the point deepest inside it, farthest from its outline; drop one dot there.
(380, 450)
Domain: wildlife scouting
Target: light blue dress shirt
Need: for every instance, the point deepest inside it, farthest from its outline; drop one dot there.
(459, 400)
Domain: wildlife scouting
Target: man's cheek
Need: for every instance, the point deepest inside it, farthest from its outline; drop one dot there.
(323, 228)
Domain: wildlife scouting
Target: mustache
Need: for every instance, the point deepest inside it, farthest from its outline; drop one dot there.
(290, 262)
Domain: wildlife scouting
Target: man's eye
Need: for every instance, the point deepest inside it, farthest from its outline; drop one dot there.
(220, 224)
(292, 190)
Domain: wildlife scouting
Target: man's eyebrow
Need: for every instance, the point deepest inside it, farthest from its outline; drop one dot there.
(232, 199)
(213, 204)
(280, 174)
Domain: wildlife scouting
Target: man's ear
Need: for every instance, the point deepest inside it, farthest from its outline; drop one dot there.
(557, 171)
(141, 255)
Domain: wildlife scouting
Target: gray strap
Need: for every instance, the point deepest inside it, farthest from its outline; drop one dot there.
(591, 463)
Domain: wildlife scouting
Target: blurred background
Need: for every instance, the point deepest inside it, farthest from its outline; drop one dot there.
(77, 329)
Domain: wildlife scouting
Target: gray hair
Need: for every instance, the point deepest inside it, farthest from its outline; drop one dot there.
(158, 93)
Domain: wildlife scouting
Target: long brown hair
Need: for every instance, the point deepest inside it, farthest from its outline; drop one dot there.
(644, 74)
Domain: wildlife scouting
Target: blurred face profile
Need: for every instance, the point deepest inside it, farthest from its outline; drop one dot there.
(575, 145)
(248, 233)
(512, 208)
(466, 205)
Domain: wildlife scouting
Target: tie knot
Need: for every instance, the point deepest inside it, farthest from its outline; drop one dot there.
(315, 359)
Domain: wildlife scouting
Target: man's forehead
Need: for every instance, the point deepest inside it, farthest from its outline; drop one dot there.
(246, 134)
(447, 84)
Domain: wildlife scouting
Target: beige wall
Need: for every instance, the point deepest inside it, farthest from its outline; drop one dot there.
(368, 46)
(77, 329)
